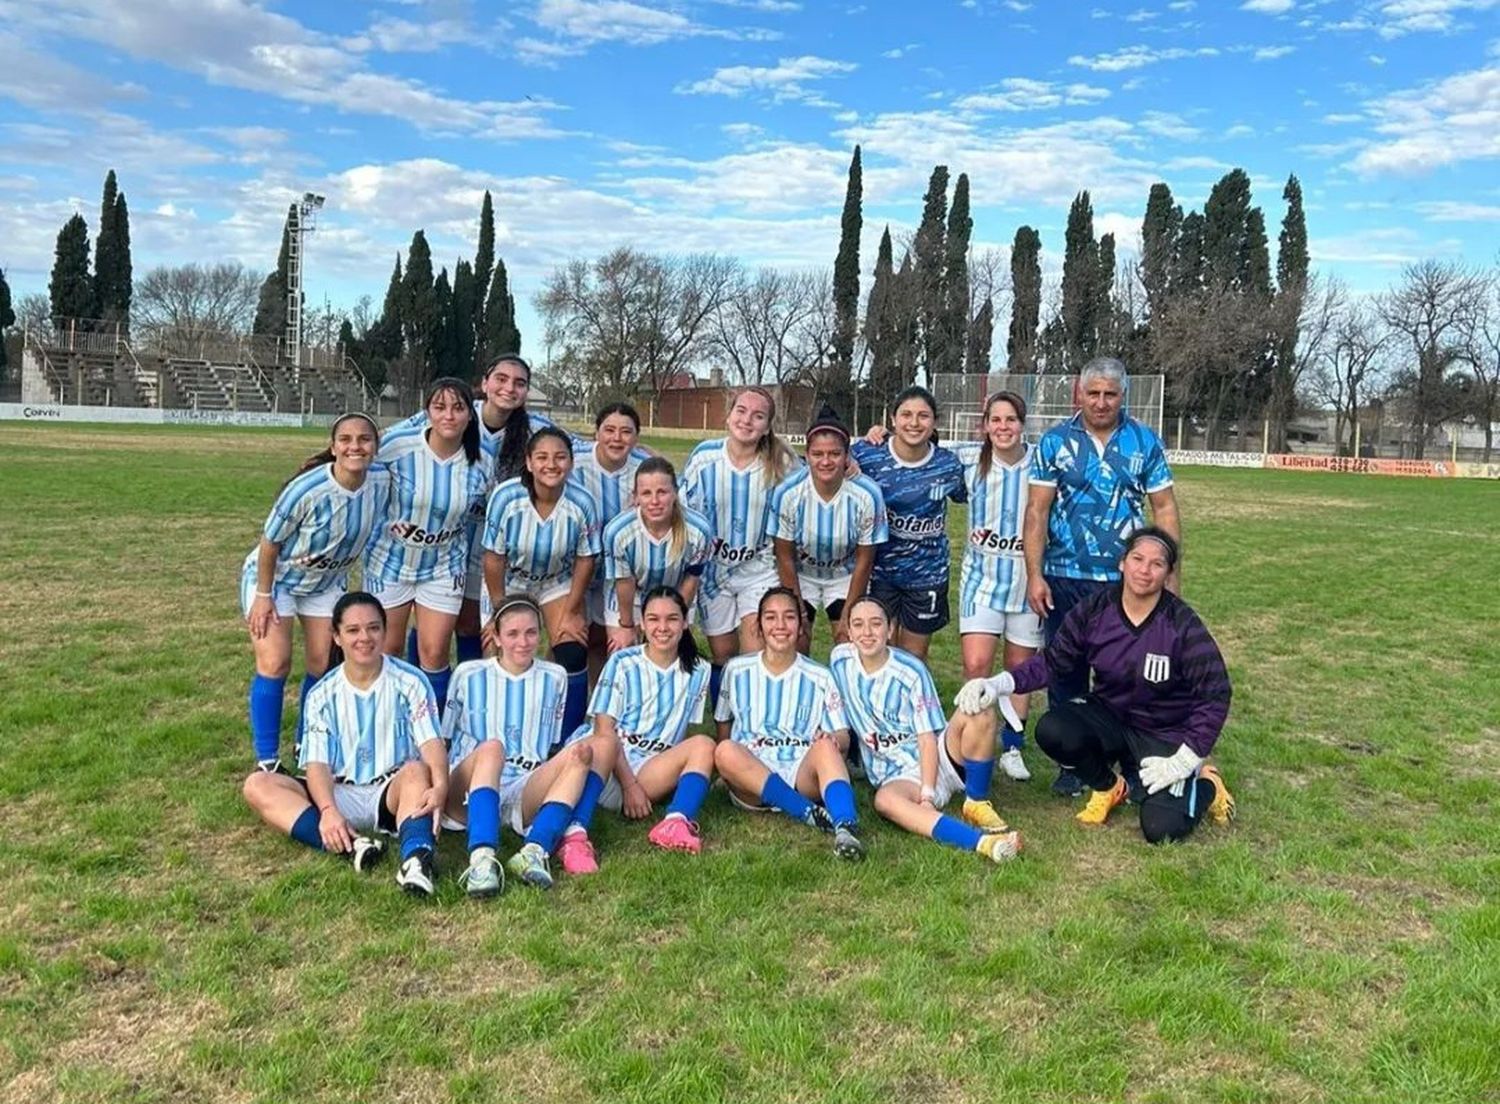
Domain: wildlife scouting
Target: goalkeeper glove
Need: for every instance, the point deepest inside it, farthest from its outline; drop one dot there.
(1160, 771)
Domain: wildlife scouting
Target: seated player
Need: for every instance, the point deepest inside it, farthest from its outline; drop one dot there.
(915, 758)
(778, 714)
(1159, 701)
(502, 721)
(826, 527)
(647, 696)
(371, 753)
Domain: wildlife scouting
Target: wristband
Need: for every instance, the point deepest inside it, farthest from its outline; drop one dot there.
(264, 594)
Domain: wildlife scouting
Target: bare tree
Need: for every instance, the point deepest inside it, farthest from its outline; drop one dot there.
(1348, 356)
(191, 302)
(757, 327)
(1432, 309)
(34, 313)
(1482, 350)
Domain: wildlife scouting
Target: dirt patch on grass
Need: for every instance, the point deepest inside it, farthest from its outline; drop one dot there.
(1261, 507)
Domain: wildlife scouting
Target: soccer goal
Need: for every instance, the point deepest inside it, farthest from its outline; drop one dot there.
(1049, 400)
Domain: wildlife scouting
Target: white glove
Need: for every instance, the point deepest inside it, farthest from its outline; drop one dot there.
(979, 694)
(1160, 771)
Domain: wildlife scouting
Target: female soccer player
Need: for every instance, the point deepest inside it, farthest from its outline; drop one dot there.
(647, 697)
(826, 527)
(915, 758)
(779, 717)
(1159, 701)
(729, 481)
(541, 535)
(992, 581)
(660, 542)
(318, 528)
(419, 556)
(917, 478)
(371, 753)
(504, 717)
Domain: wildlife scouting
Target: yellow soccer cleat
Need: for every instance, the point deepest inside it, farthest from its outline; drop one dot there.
(982, 815)
(999, 846)
(1221, 810)
(1097, 811)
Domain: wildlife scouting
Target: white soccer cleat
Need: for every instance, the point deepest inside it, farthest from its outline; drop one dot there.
(1013, 765)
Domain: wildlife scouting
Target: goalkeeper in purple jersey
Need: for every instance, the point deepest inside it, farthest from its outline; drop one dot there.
(1159, 700)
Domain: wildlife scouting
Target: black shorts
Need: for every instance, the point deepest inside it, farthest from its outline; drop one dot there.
(916, 609)
(835, 611)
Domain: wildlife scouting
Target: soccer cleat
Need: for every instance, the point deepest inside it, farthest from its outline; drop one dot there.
(846, 844)
(982, 815)
(1068, 784)
(415, 874)
(817, 817)
(999, 846)
(1222, 809)
(1013, 765)
(1101, 802)
(366, 853)
(530, 865)
(484, 877)
(676, 833)
(577, 854)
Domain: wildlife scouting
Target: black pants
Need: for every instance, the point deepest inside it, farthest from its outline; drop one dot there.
(1088, 735)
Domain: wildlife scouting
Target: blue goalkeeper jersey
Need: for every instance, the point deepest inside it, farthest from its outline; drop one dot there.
(916, 505)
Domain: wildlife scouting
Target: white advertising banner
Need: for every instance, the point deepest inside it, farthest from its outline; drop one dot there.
(137, 415)
(1216, 459)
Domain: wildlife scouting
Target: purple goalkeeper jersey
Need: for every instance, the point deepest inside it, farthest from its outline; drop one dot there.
(1164, 678)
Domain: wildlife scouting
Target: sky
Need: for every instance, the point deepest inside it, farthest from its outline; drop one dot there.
(727, 125)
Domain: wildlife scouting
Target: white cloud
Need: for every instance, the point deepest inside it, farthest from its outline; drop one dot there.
(1240, 130)
(1137, 57)
(1459, 211)
(1402, 17)
(1017, 6)
(390, 35)
(784, 81)
(1340, 118)
(1381, 247)
(1024, 94)
(34, 78)
(1268, 7)
(1141, 15)
(1449, 121)
(1182, 5)
(1167, 125)
(1271, 53)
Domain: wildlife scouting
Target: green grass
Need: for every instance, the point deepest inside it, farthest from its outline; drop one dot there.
(1341, 941)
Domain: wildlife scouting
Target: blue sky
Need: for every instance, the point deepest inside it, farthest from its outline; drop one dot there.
(727, 124)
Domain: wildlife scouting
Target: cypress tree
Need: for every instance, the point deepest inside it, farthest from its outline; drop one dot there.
(1187, 257)
(1291, 289)
(112, 274)
(419, 314)
(846, 273)
(465, 302)
(956, 279)
(1079, 279)
(1225, 252)
(1159, 230)
(906, 313)
(384, 338)
(1255, 262)
(348, 342)
(484, 268)
(500, 333)
(71, 287)
(928, 269)
(124, 274)
(1291, 252)
(1026, 300)
(442, 351)
(1104, 301)
(270, 309)
(980, 337)
(7, 320)
(881, 325)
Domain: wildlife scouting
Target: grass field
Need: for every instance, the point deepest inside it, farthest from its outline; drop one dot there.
(1340, 942)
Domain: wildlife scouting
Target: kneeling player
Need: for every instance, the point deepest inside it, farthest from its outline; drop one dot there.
(371, 753)
(778, 715)
(504, 716)
(648, 695)
(896, 716)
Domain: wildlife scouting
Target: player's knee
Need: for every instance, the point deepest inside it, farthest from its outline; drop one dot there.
(728, 758)
(1163, 825)
(255, 788)
(700, 749)
(580, 754)
(415, 773)
(274, 667)
(489, 755)
(1056, 734)
(886, 801)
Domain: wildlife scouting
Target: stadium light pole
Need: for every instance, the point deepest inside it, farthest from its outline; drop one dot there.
(302, 220)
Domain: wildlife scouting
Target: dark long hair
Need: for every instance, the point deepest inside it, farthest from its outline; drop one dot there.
(511, 460)
(987, 450)
(465, 393)
(917, 391)
(527, 479)
(318, 459)
(687, 648)
(785, 592)
(343, 606)
(618, 408)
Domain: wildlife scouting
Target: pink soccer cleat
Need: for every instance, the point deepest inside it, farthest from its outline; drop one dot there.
(676, 833)
(577, 854)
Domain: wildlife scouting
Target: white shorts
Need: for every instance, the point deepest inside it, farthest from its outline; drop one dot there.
(303, 605)
(738, 598)
(597, 602)
(823, 593)
(948, 782)
(1024, 629)
(510, 804)
(445, 595)
(361, 805)
(474, 582)
(550, 593)
(787, 768)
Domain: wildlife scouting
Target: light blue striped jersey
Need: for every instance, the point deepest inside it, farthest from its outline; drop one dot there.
(825, 534)
(777, 716)
(888, 709)
(523, 712)
(610, 491)
(360, 735)
(993, 574)
(631, 552)
(652, 707)
(425, 535)
(322, 528)
(736, 502)
(539, 552)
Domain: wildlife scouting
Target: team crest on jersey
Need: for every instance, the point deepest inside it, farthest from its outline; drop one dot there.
(1157, 668)
(937, 492)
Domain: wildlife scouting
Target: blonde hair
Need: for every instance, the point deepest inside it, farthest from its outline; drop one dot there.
(776, 453)
(660, 465)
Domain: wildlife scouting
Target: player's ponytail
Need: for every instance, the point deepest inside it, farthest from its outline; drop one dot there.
(317, 460)
(346, 603)
(688, 655)
(465, 394)
(527, 479)
(660, 465)
(987, 449)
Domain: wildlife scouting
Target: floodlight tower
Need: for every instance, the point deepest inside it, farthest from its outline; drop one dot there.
(301, 220)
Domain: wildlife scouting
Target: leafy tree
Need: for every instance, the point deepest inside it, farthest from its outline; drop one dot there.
(956, 279)
(384, 338)
(465, 304)
(442, 351)
(930, 255)
(270, 311)
(420, 316)
(846, 281)
(1080, 277)
(1026, 300)
(1290, 299)
(71, 287)
(500, 332)
(7, 319)
(112, 270)
(1159, 230)
(484, 268)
